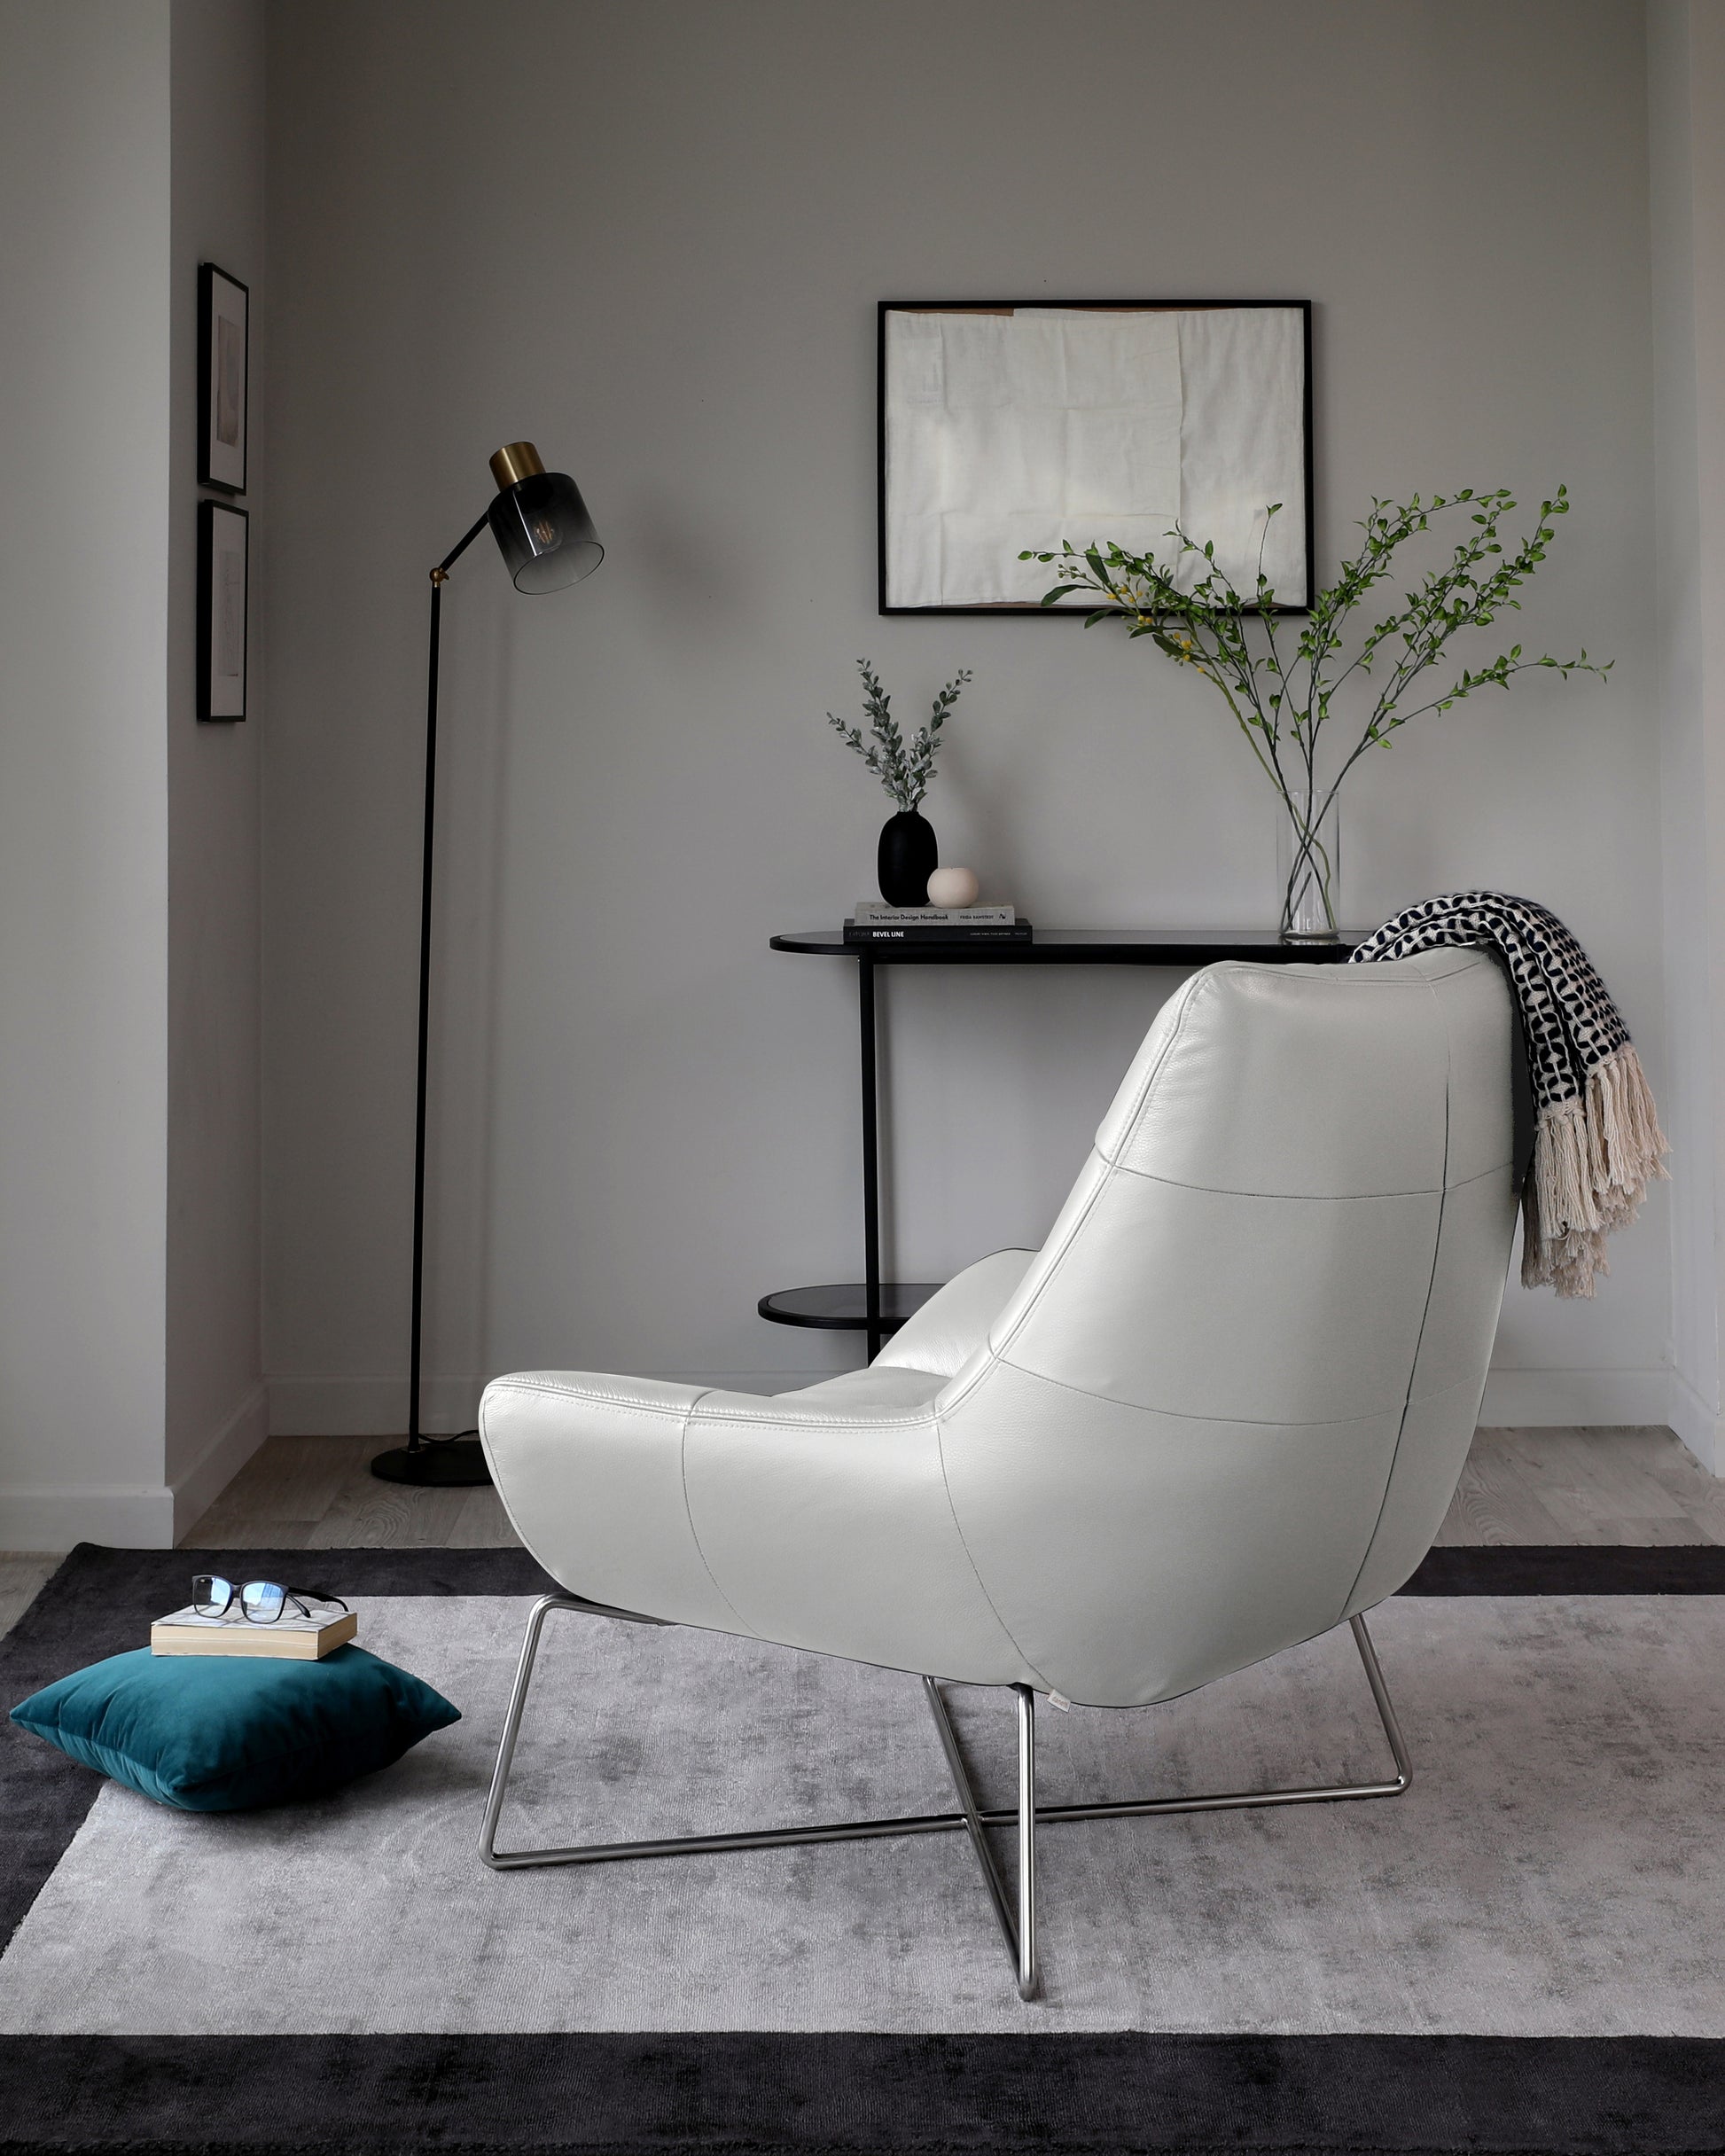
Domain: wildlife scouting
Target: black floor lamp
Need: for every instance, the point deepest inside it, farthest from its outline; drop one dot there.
(548, 541)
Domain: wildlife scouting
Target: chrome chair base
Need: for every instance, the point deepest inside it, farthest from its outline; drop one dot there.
(1014, 1912)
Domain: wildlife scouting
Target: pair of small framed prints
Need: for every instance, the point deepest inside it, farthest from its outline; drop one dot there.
(223, 528)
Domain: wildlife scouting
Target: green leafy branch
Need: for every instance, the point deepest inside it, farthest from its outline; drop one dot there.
(905, 770)
(1282, 690)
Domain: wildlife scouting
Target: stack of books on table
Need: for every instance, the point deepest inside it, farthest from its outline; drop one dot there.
(872, 923)
(292, 1638)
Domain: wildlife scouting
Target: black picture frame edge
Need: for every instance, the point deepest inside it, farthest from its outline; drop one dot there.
(207, 513)
(1010, 612)
(207, 272)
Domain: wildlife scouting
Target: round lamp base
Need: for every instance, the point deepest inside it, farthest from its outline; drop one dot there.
(458, 1465)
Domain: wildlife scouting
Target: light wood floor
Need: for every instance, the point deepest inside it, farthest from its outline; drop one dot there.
(318, 1492)
(1521, 1486)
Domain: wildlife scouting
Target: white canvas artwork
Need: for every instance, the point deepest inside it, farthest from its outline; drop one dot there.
(1011, 430)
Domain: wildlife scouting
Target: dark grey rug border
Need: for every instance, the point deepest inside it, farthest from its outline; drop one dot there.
(761, 2095)
(1562, 1568)
(850, 2095)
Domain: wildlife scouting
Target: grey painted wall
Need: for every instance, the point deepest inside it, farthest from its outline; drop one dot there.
(215, 1409)
(83, 800)
(652, 239)
(1686, 80)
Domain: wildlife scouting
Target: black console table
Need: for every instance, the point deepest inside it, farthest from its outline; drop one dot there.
(876, 1307)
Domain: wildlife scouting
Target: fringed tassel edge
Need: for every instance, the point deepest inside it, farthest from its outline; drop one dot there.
(1593, 1160)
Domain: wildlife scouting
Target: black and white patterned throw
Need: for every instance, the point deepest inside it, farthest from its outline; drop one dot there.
(1598, 1142)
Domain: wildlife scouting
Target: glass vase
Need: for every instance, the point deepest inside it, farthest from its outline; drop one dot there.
(1308, 864)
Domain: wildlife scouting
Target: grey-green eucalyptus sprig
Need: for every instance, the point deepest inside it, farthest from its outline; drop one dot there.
(1281, 689)
(905, 770)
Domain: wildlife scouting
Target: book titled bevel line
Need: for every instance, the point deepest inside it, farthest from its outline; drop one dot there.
(292, 1638)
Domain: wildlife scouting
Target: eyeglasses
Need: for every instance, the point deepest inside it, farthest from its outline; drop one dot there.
(260, 1601)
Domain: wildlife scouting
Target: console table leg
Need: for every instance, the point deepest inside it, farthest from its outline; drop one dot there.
(865, 1006)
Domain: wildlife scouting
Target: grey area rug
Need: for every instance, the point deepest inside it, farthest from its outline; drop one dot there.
(1551, 1872)
(1523, 1952)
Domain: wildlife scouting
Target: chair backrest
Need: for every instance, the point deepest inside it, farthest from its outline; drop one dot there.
(1230, 1403)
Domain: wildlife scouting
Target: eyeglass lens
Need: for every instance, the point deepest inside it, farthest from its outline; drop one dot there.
(262, 1600)
(211, 1594)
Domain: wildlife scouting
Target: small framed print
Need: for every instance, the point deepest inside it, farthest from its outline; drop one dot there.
(223, 371)
(222, 532)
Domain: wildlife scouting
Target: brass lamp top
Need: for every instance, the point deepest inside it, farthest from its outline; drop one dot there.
(514, 462)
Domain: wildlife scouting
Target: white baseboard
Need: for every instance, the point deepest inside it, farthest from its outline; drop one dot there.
(1698, 1426)
(376, 1407)
(222, 1459)
(1534, 1399)
(132, 1516)
(124, 1515)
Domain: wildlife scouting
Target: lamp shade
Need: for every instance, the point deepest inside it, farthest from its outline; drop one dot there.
(540, 523)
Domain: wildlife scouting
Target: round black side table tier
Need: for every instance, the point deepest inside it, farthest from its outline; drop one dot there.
(875, 1307)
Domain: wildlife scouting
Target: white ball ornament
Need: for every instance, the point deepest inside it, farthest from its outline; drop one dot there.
(953, 887)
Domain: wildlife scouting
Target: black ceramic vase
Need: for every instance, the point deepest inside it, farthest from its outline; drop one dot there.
(907, 857)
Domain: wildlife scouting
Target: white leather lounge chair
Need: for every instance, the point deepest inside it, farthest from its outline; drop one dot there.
(1222, 1409)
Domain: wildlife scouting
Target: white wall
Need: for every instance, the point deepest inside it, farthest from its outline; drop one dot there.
(652, 239)
(1686, 81)
(84, 449)
(131, 1365)
(215, 1410)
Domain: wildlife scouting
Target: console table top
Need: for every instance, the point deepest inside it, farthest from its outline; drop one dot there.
(1184, 946)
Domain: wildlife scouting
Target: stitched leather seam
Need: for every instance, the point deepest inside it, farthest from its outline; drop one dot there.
(1190, 994)
(1384, 975)
(688, 1514)
(1313, 1198)
(1244, 1422)
(976, 1571)
(911, 1324)
(905, 1419)
(998, 1354)
(1195, 988)
(1431, 1285)
(579, 1392)
(1053, 1274)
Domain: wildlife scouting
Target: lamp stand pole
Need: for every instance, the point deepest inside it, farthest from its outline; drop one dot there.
(440, 1462)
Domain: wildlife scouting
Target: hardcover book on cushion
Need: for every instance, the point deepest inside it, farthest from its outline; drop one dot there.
(290, 1637)
(217, 1733)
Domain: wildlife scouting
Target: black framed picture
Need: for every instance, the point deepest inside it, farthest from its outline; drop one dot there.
(1008, 426)
(223, 378)
(222, 534)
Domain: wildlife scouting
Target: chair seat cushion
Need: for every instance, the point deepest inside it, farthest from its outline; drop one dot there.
(215, 1733)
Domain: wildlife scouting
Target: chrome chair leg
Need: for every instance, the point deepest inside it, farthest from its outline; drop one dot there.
(1019, 1930)
(1018, 1924)
(1030, 1979)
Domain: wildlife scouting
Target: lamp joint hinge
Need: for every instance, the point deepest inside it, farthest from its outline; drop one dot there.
(440, 576)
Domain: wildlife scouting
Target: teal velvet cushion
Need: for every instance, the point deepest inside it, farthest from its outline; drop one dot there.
(224, 1733)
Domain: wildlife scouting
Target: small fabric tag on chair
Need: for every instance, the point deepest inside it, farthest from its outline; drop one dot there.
(1059, 1699)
